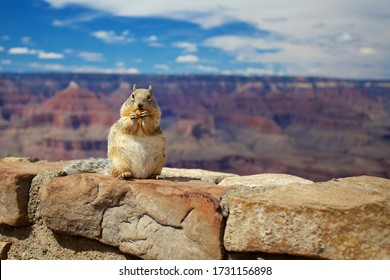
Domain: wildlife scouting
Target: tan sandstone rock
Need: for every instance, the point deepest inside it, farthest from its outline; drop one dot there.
(16, 175)
(262, 180)
(181, 174)
(255, 184)
(339, 219)
(151, 219)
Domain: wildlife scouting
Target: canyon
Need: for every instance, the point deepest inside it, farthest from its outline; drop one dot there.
(315, 128)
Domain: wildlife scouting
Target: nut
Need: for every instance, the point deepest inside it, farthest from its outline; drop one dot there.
(138, 112)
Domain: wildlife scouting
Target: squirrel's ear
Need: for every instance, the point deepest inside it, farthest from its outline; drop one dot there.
(150, 88)
(134, 87)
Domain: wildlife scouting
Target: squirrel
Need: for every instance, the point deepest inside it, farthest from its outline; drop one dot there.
(136, 143)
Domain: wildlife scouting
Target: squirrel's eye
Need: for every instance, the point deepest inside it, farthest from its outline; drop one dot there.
(149, 98)
(132, 96)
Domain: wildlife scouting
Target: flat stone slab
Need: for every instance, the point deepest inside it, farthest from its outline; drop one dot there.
(151, 219)
(254, 184)
(262, 180)
(339, 219)
(181, 174)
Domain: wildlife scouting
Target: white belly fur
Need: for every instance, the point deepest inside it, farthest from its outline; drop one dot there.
(144, 153)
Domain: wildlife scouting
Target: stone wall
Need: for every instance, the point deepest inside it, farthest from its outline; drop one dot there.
(191, 214)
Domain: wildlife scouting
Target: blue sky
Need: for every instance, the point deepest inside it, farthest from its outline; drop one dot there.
(332, 38)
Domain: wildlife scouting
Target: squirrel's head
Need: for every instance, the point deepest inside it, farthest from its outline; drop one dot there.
(141, 99)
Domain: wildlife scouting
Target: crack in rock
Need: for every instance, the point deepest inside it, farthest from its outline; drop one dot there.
(187, 215)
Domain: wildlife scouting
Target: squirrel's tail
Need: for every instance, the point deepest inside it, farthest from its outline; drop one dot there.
(92, 165)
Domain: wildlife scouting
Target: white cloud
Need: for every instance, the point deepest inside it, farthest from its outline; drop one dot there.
(250, 71)
(120, 64)
(306, 32)
(205, 68)
(163, 67)
(50, 55)
(131, 71)
(47, 67)
(79, 19)
(5, 37)
(277, 15)
(93, 69)
(297, 58)
(80, 68)
(22, 50)
(121, 69)
(367, 51)
(152, 38)
(26, 40)
(152, 41)
(256, 50)
(187, 58)
(186, 46)
(347, 37)
(111, 37)
(1, 48)
(58, 23)
(91, 56)
(68, 51)
(232, 44)
(41, 54)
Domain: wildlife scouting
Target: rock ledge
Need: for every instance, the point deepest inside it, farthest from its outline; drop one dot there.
(192, 214)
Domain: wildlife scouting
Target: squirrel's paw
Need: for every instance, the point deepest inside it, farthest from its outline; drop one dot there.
(144, 114)
(157, 177)
(125, 176)
(134, 116)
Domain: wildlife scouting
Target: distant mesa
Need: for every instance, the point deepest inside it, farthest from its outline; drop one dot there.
(75, 99)
(124, 86)
(73, 85)
(118, 96)
(77, 122)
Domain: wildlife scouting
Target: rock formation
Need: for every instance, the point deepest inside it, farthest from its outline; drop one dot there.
(191, 214)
